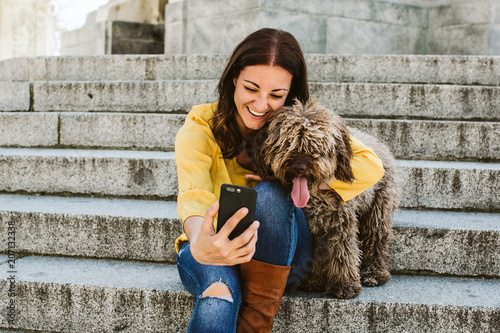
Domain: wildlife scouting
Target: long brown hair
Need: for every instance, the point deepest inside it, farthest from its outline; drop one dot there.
(263, 47)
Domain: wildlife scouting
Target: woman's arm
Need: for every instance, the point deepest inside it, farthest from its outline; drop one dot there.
(367, 168)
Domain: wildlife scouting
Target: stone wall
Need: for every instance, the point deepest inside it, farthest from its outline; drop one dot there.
(119, 27)
(26, 28)
(339, 26)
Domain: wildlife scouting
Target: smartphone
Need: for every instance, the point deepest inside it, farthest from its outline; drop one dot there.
(232, 198)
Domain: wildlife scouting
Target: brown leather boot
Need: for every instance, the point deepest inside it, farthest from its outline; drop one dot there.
(261, 291)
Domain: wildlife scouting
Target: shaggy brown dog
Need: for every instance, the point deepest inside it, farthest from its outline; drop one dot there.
(308, 146)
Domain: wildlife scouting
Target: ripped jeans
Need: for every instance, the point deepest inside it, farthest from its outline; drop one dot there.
(283, 239)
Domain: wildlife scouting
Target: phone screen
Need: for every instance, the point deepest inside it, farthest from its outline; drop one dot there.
(232, 198)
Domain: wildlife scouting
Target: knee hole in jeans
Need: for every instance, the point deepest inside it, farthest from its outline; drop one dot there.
(218, 290)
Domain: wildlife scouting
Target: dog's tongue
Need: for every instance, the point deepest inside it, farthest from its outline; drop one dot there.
(300, 193)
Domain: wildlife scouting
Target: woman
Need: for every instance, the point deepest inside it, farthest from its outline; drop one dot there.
(240, 283)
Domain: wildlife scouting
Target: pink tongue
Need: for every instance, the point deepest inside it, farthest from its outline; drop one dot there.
(300, 193)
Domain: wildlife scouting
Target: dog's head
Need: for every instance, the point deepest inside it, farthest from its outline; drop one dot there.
(304, 146)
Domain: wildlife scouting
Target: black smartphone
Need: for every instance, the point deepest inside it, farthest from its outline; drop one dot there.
(232, 198)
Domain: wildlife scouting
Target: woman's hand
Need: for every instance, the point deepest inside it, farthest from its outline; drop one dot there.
(210, 248)
(258, 178)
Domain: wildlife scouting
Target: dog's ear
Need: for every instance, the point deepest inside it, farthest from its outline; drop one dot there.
(344, 153)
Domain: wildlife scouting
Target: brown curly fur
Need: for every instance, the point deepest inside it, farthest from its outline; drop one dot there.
(351, 238)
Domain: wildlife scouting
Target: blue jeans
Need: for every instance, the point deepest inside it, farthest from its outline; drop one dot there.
(283, 239)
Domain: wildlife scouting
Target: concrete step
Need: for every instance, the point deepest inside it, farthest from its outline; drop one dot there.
(435, 140)
(145, 174)
(468, 70)
(371, 100)
(82, 295)
(451, 243)
(410, 139)
(151, 174)
(449, 185)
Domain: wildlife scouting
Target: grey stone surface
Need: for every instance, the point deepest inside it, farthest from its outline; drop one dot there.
(28, 129)
(347, 99)
(144, 131)
(456, 70)
(426, 184)
(14, 96)
(421, 139)
(86, 295)
(441, 242)
(134, 96)
(495, 39)
(348, 36)
(413, 101)
(459, 39)
(465, 13)
(135, 38)
(450, 185)
(106, 172)
(86, 227)
(447, 243)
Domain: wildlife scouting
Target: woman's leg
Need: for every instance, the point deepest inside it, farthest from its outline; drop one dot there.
(284, 236)
(264, 278)
(217, 293)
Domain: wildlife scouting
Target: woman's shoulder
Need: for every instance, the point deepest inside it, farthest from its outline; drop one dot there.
(197, 126)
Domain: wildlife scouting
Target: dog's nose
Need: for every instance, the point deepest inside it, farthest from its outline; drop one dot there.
(299, 167)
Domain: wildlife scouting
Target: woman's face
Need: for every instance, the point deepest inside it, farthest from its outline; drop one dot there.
(260, 90)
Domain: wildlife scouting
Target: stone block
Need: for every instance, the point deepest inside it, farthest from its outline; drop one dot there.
(201, 9)
(409, 100)
(90, 227)
(175, 12)
(15, 96)
(423, 139)
(174, 38)
(138, 174)
(219, 35)
(309, 30)
(28, 129)
(495, 40)
(476, 12)
(89, 40)
(450, 185)
(134, 96)
(141, 131)
(62, 294)
(347, 36)
(446, 243)
(462, 39)
(455, 70)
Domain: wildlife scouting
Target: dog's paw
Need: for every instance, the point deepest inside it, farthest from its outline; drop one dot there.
(345, 290)
(374, 279)
(311, 285)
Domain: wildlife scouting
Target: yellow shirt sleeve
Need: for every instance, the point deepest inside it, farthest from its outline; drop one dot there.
(367, 168)
(194, 158)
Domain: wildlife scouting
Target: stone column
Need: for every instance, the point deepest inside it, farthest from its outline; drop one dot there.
(26, 28)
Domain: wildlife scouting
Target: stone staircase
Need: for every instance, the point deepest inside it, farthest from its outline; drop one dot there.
(88, 183)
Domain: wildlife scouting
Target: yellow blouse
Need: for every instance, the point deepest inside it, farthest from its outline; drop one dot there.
(201, 170)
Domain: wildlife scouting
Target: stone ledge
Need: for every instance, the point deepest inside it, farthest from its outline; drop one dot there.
(461, 70)
(451, 243)
(78, 295)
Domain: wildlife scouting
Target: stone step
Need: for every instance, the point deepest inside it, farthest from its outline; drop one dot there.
(438, 69)
(449, 185)
(82, 295)
(152, 174)
(372, 100)
(451, 243)
(410, 139)
(123, 173)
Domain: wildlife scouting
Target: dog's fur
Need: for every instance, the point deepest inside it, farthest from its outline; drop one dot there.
(351, 239)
